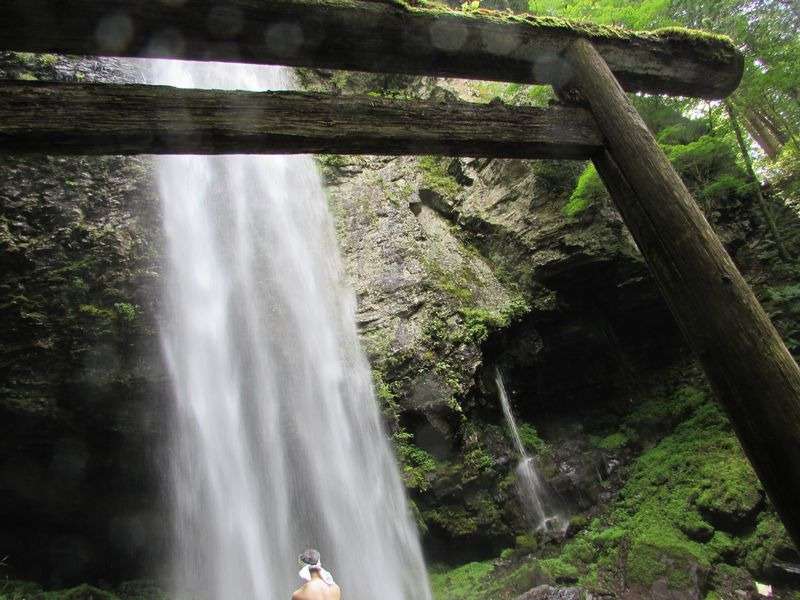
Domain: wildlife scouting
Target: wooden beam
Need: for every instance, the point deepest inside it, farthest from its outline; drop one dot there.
(755, 378)
(144, 119)
(370, 35)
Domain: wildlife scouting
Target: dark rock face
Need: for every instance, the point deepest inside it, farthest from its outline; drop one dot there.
(82, 403)
(427, 243)
(83, 400)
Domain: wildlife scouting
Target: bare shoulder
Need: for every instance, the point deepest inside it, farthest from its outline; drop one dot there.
(337, 592)
(299, 594)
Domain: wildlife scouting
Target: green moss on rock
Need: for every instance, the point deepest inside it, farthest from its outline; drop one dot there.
(665, 523)
(436, 178)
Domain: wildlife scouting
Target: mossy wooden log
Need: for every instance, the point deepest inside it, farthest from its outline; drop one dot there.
(143, 119)
(388, 36)
(754, 376)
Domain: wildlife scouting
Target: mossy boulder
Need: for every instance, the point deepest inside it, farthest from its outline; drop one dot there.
(729, 494)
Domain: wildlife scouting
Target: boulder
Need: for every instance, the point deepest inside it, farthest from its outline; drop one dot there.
(547, 592)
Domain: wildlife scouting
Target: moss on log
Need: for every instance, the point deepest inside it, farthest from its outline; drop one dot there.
(391, 36)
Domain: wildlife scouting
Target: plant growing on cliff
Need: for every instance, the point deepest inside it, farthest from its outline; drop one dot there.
(477, 461)
(416, 464)
(531, 440)
(588, 190)
(435, 176)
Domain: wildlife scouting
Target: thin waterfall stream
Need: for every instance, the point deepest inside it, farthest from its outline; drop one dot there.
(278, 443)
(541, 506)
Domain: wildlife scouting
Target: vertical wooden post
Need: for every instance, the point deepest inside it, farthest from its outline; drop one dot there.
(752, 373)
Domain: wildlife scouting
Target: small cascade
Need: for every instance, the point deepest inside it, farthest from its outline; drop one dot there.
(540, 505)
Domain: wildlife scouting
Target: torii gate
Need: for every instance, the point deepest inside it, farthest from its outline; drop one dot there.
(754, 376)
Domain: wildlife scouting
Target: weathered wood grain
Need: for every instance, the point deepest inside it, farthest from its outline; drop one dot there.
(143, 119)
(368, 35)
(754, 377)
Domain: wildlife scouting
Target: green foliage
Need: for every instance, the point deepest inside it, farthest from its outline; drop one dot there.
(784, 173)
(477, 461)
(588, 191)
(96, 312)
(709, 166)
(458, 283)
(684, 132)
(436, 178)
(526, 542)
(663, 412)
(664, 519)
(131, 590)
(531, 440)
(728, 488)
(82, 592)
(416, 464)
(330, 164)
(556, 177)
(386, 396)
(615, 441)
(559, 570)
(478, 323)
(141, 589)
(485, 581)
(642, 15)
(462, 583)
(19, 590)
(455, 520)
(782, 303)
(32, 60)
(768, 542)
(515, 94)
(126, 311)
(477, 515)
(24, 590)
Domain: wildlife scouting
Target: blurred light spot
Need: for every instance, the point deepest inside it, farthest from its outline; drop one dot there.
(500, 44)
(448, 35)
(169, 42)
(284, 39)
(225, 21)
(114, 32)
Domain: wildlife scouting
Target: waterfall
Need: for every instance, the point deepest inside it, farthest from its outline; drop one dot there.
(539, 503)
(278, 442)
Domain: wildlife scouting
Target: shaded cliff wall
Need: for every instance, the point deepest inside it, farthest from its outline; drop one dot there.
(83, 396)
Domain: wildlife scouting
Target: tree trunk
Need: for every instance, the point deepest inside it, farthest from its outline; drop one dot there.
(763, 135)
(762, 203)
(147, 119)
(386, 36)
(754, 376)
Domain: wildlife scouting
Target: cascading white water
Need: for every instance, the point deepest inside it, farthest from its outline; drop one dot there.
(278, 442)
(536, 499)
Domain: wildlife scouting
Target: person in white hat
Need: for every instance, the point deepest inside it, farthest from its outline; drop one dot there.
(319, 582)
